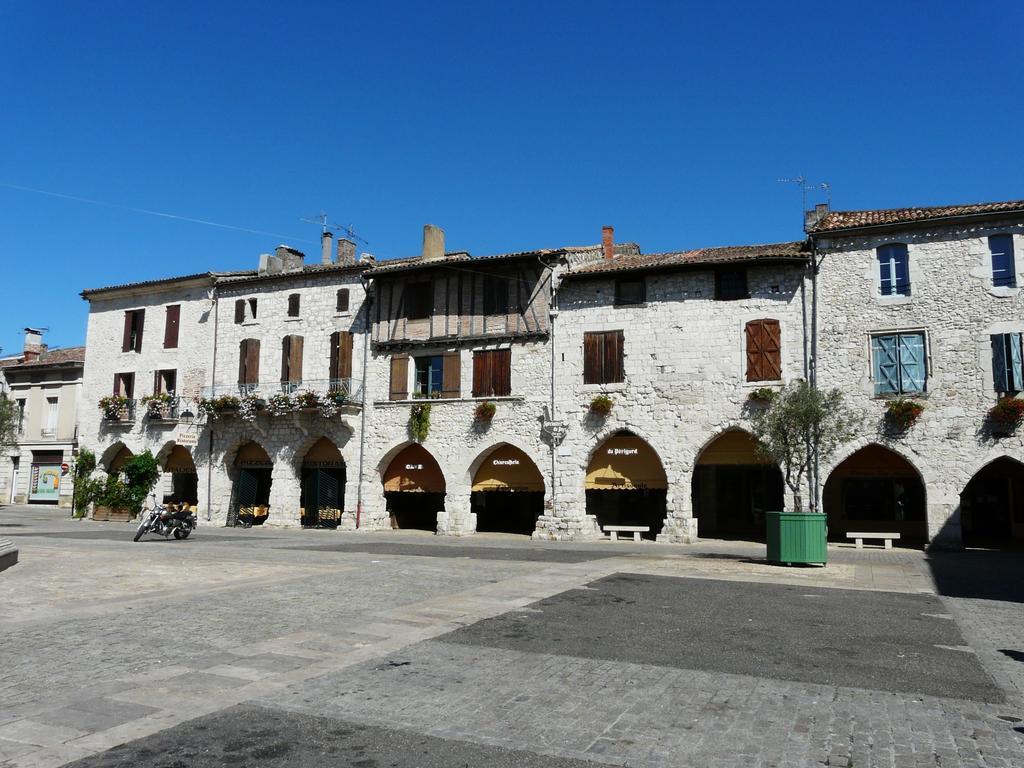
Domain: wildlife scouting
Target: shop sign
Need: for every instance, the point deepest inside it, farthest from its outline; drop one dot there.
(414, 466)
(506, 462)
(45, 482)
(623, 451)
(187, 439)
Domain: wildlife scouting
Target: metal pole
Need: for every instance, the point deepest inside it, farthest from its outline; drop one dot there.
(209, 422)
(362, 416)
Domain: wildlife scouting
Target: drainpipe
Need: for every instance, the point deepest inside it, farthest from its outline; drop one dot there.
(815, 265)
(209, 422)
(552, 315)
(367, 300)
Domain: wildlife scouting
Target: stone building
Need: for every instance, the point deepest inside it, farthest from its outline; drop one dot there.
(45, 385)
(555, 391)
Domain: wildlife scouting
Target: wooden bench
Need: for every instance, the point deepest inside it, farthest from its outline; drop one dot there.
(860, 536)
(613, 531)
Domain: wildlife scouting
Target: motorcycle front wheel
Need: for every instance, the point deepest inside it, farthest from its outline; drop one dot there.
(140, 531)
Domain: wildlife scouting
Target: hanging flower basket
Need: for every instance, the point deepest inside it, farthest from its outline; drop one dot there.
(485, 411)
(601, 405)
(419, 422)
(1007, 414)
(213, 407)
(114, 407)
(903, 413)
(307, 400)
(280, 404)
(158, 405)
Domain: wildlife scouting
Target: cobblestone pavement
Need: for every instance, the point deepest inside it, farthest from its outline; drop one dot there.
(322, 648)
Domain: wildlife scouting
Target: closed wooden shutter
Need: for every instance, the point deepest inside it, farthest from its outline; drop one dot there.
(117, 383)
(481, 374)
(755, 354)
(451, 375)
(239, 311)
(593, 358)
(399, 378)
(341, 355)
(171, 326)
(342, 300)
(126, 339)
(613, 354)
(249, 361)
(501, 372)
(772, 335)
(128, 385)
(293, 305)
(140, 321)
(291, 358)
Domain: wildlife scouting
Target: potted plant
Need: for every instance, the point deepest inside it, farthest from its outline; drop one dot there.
(307, 400)
(158, 405)
(217, 406)
(338, 395)
(248, 406)
(761, 395)
(484, 411)
(800, 423)
(902, 413)
(419, 422)
(1006, 415)
(601, 405)
(114, 407)
(280, 404)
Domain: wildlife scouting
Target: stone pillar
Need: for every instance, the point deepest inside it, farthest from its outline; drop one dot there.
(284, 496)
(457, 517)
(944, 529)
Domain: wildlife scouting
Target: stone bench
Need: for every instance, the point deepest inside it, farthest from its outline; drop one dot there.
(613, 531)
(8, 554)
(860, 536)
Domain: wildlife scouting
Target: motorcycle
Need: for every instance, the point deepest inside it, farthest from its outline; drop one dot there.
(165, 522)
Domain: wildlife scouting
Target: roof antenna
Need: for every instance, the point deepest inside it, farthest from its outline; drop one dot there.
(321, 219)
(805, 187)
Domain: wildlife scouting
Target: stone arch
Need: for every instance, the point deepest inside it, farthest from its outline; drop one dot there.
(733, 486)
(992, 504)
(388, 456)
(876, 488)
(621, 490)
(180, 480)
(114, 456)
(323, 477)
(415, 492)
(506, 494)
(252, 481)
(498, 441)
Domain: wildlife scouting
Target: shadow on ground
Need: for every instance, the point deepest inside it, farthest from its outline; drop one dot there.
(981, 574)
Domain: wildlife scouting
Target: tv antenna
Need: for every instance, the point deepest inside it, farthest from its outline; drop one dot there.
(321, 219)
(806, 187)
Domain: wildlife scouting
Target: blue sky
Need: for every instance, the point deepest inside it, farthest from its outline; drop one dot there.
(513, 126)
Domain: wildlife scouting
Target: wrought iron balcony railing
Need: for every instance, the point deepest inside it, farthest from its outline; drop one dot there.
(342, 391)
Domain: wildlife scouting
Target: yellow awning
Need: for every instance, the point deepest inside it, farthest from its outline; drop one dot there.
(414, 470)
(179, 461)
(625, 463)
(508, 469)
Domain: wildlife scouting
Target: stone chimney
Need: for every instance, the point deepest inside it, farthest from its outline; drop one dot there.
(291, 259)
(367, 258)
(346, 252)
(433, 243)
(325, 247)
(812, 218)
(33, 345)
(608, 242)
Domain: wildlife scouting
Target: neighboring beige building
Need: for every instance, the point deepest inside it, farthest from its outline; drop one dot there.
(45, 385)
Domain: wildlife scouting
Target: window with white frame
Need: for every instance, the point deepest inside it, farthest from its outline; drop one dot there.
(893, 270)
(51, 416)
(1007, 373)
(899, 363)
(1004, 271)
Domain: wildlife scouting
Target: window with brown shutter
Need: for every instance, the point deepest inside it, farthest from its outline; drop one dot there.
(399, 378)
(131, 341)
(451, 376)
(239, 311)
(165, 381)
(171, 326)
(764, 350)
(293, 305)
(124, 385)
(249, 361)
(603, 357)
(492, 373)
(342, 305)
(291, 359)
(341, 355)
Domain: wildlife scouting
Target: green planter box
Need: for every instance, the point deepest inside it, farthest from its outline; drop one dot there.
(796, 537)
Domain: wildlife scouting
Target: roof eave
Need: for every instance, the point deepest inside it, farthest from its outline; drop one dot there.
(915, 224)
(693, 265)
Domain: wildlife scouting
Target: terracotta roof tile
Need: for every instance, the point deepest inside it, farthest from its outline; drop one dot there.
(48, 357)
(457, 257)
(840, 220)
(700, 256)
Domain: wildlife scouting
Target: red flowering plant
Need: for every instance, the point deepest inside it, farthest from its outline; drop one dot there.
(1007, 414)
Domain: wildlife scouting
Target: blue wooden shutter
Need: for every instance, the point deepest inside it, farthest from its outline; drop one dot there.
(1015, 367)
(999, 371)
(886, 365)
(912, 362)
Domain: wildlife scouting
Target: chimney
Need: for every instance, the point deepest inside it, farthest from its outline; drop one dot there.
(346, 252)
(608, 242)
(813, 218)
(33, 345)
(367, 258)
(433, 243)
(291, 259)
(325, 247)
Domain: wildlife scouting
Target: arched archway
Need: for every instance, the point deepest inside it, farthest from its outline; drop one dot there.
(250, 495)
(322, 498)
(876, 489)
(733, 486)
(507, 491)
(626, 484)
(414, 488)
(176, 461)
(992, 505)
(114, 458)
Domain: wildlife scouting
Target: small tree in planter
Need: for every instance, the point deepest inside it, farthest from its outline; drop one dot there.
(485, 411)
(601, 405)
(903, 413)
(1006, 415)
(799, 420)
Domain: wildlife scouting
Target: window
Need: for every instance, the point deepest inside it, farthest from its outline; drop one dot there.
(419, 300)
(165, 382)
(495, 295)
(1006, 362)
(437, 376)
(51, 416)
(602, 357)
(248, 363)
(21, 415)
(492, 373)
(764, 350)
(899, 363)
(1004, 271)
(171, 323)
(131, 341)
(124, 385)
(245, 309)
(293, 305)
(342, 305)
(341, 355)
(731, 284)
(630, 290)
(893, 270)
(291, 360)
